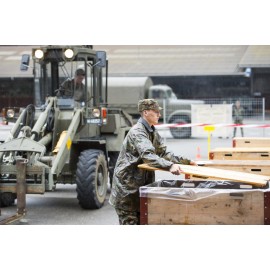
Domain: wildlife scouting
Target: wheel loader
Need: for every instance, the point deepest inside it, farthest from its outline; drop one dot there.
(60, 140)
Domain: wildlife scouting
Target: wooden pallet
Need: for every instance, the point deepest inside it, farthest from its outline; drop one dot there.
(218, 174)
(251, 142)
(237, 207)
(240, 153)
(259, 167)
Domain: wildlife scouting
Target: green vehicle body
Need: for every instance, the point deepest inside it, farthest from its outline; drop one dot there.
(62, 141)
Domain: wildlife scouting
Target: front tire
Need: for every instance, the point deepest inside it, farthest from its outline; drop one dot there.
(91, 179)
(180, 132)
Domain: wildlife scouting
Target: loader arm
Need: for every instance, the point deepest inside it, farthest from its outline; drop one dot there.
(62, 154)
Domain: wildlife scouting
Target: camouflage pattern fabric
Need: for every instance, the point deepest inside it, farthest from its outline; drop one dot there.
(128, 217)
(238, 115)
(143, 144)
(148, 104)
(68, 89)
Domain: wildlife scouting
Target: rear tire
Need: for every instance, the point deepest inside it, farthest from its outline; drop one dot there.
(7, 199)
(91, 179)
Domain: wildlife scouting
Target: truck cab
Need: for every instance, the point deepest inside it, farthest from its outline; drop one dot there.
(175, 111)
(161, 92)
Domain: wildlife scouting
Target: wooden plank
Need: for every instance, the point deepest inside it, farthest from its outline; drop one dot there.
(240, 153)
(243, 149)
(251, 142)
(260, 167)
(261, 163)
(218, 174)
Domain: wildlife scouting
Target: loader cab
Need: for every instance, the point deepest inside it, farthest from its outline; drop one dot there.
(53, 65)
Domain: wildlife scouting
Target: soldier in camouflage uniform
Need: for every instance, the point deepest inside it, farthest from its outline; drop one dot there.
(143, 144)
(74, 88)
(238, 115)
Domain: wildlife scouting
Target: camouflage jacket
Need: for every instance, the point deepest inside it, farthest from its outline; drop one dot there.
(69, 89)
(238, 115)
(143, 144)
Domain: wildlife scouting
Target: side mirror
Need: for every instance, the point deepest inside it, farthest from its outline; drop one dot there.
(101, 55)
(25, 62)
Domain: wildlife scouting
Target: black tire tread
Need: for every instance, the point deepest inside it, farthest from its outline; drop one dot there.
(87, 165)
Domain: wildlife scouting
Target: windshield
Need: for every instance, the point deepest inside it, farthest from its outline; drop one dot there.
(80, 79)
(172, 95)
(69, 77)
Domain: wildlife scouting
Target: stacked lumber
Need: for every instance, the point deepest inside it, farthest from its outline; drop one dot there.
(251, 142)
(260, 167)
(248, 154)
(240, 153)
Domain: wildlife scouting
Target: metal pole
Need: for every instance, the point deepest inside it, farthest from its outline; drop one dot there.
(164, 116)
(263, 114)
(21, 186)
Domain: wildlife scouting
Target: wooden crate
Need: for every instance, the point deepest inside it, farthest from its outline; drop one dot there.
(203, 203)
(240, 153)
(260, 167)
(251, 142)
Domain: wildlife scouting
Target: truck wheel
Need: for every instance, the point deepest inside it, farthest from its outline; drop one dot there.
(7, 199)
(180, 132)
(91, 179)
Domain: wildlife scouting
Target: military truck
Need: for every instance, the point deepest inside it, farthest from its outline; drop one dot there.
(58, 140)
(125, 92)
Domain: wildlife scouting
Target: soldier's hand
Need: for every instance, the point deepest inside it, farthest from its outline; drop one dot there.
(193, 163)
(175, 169)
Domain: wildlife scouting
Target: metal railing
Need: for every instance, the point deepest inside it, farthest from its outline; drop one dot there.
(254, 108)
(254, 113)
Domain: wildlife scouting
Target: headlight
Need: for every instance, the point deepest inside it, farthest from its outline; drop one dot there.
(39, 54)
(96, 112)
(10, 113)
(69, 53)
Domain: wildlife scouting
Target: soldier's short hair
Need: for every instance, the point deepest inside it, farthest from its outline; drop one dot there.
(148, 104)
(80, 71)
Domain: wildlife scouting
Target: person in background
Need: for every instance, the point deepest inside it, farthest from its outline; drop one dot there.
(238, 116)
(74, 88)
(143, 144)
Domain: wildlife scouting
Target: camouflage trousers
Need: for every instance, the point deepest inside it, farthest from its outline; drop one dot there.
(128, 217)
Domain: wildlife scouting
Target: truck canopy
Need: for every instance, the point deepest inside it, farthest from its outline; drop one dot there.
(127, 90)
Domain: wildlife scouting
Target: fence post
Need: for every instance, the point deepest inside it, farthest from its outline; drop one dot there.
(263, 114)
(164, 116)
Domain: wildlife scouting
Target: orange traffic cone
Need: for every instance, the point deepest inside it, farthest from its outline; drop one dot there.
(198, 156)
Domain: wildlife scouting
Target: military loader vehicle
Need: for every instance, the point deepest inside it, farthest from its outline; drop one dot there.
(60, 140)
